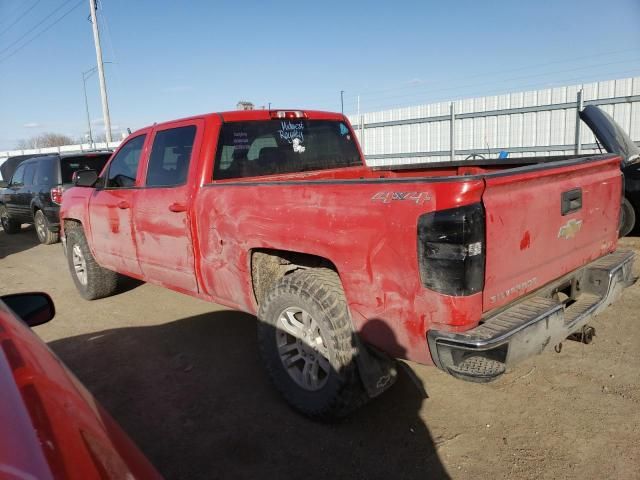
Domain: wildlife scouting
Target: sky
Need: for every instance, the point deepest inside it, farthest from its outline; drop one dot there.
(176, 59)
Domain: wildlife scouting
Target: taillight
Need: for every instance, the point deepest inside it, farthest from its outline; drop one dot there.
(451, 250)
(56, 195)
(287, 114)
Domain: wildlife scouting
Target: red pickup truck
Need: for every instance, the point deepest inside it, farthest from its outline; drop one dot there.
(469, 266)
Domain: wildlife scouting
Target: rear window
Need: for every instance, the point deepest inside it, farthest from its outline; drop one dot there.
(73, 164)
(267, 147)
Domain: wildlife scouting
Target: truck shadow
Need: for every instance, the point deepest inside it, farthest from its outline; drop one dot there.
(195, 397)
(17, 242)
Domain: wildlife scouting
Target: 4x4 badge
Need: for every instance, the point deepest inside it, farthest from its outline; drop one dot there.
(570, 229)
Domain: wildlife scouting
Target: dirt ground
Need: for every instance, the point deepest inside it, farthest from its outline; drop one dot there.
(184, 379)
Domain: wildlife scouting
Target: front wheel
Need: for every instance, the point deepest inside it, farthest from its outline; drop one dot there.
(92, 281)
(45, 235)
(627, 218)
(306, 343)
(9, 225)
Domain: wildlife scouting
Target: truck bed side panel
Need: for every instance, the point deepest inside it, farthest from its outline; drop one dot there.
(362, 227)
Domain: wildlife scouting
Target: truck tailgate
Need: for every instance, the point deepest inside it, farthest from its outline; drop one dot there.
(545, 221)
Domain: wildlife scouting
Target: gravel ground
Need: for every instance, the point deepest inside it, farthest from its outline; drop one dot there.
(184, 379)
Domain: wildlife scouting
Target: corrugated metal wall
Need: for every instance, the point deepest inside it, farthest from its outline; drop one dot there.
(539, 122)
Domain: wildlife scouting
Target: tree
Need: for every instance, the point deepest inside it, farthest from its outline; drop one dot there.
(45, 140)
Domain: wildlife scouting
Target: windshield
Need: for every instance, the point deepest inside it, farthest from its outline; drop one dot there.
(267, 147)
(69, 165)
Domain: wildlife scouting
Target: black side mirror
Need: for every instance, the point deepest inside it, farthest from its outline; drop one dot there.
(4, 184)
(33, 308)
(84, 178)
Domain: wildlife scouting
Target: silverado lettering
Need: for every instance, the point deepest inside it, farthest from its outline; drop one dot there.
(521, 287)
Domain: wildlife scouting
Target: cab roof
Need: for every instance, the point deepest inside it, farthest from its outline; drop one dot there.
(263, 114)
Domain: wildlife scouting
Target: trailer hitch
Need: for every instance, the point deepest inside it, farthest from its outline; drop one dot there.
(584, 335)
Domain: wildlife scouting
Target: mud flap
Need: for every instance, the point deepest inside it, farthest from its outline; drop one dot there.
(377, 371)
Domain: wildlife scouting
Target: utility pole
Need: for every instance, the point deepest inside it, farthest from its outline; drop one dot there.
(103, 84)
(342, 101)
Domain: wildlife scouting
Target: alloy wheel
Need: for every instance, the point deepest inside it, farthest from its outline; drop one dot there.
(41, 228)
(79, 264)
(302, 348)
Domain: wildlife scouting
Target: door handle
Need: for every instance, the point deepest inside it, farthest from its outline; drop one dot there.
(123, 205)
(571, 201)
(178, 207)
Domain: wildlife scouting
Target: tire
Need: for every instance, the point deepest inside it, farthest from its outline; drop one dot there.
(311, 301)
(627, 218)
(46, 236)
(9, 225)
(92, 281)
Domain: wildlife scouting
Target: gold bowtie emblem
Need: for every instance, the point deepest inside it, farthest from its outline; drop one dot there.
(570, 229)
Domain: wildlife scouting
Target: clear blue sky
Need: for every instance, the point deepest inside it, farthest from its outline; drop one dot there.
(177, 59)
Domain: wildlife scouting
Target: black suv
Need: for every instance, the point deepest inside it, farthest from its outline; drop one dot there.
(34, 192)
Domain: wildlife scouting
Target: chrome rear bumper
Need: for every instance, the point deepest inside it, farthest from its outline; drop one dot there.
(530, 326)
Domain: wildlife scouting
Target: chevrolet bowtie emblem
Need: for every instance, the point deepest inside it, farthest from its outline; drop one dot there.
(570, 229)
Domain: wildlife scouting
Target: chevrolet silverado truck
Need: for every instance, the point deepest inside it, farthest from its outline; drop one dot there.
(468, 266)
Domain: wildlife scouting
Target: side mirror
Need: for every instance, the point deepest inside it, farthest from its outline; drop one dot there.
(4, 184)
(84, 178)
(33, 308)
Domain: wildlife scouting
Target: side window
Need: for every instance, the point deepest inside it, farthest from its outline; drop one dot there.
(29, 173)
(170, 155)
(18, 177)
(46, 174)
(124, 166)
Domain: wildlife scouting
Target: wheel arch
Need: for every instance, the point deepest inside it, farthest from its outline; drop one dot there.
(35, 206)
(68, 223)
(269, 265)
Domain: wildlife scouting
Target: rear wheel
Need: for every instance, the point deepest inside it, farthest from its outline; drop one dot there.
(45, 235)
(92, 281)
(627, 218)
(305, 339)
(9, 225)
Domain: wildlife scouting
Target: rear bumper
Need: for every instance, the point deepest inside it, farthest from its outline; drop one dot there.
(531, 325)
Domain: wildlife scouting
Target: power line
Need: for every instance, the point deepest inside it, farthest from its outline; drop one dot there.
(17, 20)
(503, 80)
(42, 32)
(35, 26)
(498, 72)
(419, 95)
(509, 79)
(475, 94)
(9, 12)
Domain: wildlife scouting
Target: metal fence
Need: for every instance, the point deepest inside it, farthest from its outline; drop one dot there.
(533, 123)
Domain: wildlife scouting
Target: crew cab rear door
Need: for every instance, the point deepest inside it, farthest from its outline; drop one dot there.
(544, 221)
(162, 208)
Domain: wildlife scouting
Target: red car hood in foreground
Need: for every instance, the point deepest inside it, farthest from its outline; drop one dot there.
(50, 425)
